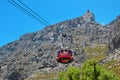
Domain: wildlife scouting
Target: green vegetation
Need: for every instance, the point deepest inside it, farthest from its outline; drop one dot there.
(98, 48)
(72, 73)
(91, 70)
(114, 66)
(41, 76)
(109, 63)
(98, 52)
(116, 70)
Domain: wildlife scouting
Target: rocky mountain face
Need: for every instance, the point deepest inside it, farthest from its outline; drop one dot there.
(37, 51)
(116, 40)
(114, 44)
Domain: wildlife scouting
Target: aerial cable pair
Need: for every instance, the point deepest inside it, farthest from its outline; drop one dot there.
(23, 7)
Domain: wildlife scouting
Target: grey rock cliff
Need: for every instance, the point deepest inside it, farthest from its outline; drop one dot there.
(36, 51)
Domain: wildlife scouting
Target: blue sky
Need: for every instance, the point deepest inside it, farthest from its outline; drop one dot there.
(14, 23)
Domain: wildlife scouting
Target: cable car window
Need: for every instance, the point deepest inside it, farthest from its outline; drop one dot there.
(70, 52)
(66, 50)
(58, 53)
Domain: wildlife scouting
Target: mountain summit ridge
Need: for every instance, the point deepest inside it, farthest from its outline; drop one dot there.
(89, 16)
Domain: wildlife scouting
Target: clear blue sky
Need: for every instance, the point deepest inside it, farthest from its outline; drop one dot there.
(14, 23)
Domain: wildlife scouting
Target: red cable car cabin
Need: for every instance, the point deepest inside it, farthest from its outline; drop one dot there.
(65, 56)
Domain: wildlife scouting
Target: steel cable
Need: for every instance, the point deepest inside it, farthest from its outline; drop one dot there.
(34, 15)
